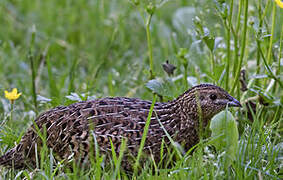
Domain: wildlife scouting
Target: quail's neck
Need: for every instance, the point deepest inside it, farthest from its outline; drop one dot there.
(184, 126)
(190, 112)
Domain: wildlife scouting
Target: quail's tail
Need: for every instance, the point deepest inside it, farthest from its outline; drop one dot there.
(12, 159)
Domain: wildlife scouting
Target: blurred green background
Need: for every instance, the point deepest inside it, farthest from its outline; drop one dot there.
(80, 49)
(90, 43)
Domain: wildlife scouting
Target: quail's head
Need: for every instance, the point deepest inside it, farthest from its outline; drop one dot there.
(212, 99)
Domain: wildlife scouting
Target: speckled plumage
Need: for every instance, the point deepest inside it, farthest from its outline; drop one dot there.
(68, 127)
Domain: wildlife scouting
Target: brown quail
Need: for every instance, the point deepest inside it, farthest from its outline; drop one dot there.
(68, 128)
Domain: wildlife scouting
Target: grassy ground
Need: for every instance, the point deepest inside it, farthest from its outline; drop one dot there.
(58, 52)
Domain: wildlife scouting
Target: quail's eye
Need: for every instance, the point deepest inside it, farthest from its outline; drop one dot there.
(213, 97)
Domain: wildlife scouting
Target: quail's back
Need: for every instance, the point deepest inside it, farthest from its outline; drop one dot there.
(70, 129)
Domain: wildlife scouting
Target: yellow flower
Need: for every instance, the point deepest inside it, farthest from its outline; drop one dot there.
(279, 3)
(13, 95)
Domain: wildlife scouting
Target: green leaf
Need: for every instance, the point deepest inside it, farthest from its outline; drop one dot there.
(209, 41)
(160, 87)
(224, 126)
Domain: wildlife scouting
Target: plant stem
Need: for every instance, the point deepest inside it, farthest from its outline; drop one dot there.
(11, 112)
(239, 16)
(271, 74)
(269, 52)
(33, 80)
(228, 43)
(145, 131)
(258, 35)
(272, 34)
(149, 44)
(280, 53)
(212, 66)
(33, 73)
(235, 34)
(243, 46)
(185, 64)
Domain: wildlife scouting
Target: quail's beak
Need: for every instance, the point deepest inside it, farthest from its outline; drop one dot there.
(234, 103)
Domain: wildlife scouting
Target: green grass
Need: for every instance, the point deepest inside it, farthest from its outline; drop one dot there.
(113, 48)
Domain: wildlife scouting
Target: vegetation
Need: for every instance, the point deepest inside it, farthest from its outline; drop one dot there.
(59, 52)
